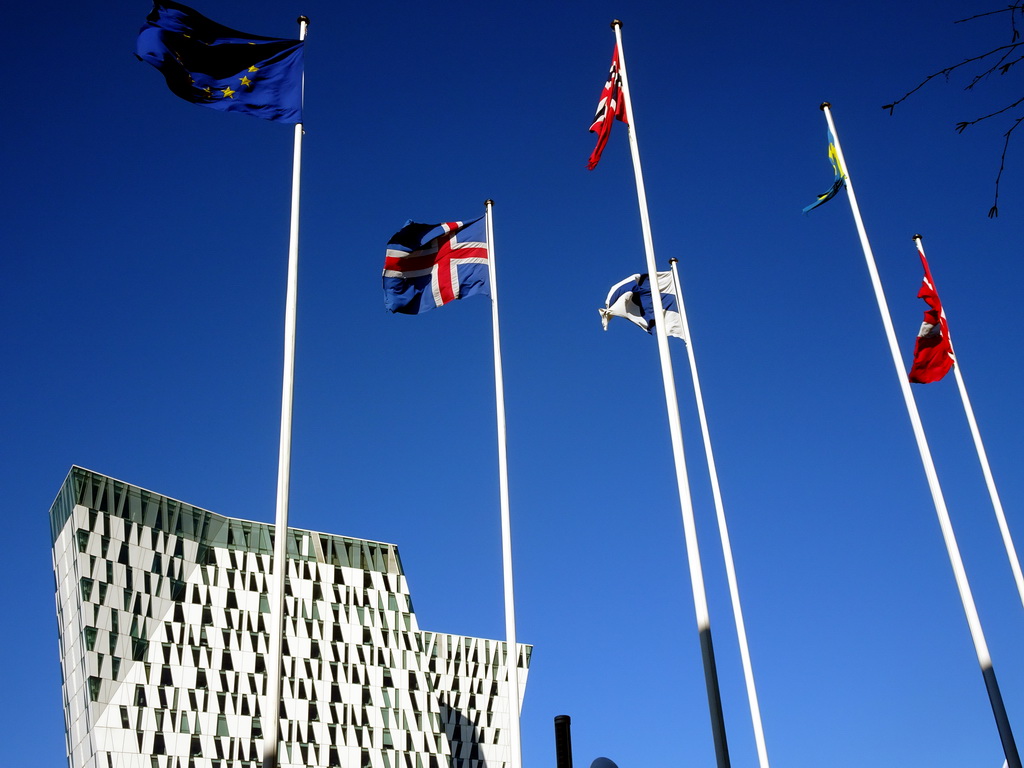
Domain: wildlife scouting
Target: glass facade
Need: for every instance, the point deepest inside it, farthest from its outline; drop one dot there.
(163, 612)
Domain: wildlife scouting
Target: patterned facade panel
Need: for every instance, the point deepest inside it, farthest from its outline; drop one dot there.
(162, 614)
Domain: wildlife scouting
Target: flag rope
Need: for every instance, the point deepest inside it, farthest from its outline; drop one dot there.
(672, 404)
(952, 549)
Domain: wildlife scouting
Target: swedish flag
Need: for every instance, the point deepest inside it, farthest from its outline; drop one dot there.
(840, 180)
(221, 68)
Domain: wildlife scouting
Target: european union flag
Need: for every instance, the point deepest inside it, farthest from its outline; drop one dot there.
(207, 63)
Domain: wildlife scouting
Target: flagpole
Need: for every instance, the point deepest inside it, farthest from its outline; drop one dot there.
(990, 482)
(723, 530)
(512, 649)
(953, 551)
(272, 709)
(675, 430)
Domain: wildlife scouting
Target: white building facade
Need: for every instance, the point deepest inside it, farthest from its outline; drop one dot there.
(163, 611)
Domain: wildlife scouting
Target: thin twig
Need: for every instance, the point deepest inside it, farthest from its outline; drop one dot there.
(946, 72)
(994, 210)
(1009, 8)
(961, 126)
(1000, 65)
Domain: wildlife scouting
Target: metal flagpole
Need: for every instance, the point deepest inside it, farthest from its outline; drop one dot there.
(997, 505)
(271, 714)
(685, 504)
(723, 530)
(970, 610)
(512, 648)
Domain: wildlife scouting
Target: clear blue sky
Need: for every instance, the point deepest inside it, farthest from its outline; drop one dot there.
(145, 240)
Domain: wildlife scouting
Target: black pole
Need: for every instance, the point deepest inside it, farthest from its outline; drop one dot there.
(563, 742)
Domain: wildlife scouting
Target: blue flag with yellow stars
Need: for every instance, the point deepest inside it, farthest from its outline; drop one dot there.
(840, 178)
(210, 64)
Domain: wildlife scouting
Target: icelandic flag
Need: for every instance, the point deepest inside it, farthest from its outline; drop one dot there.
(631, 299)
(428, 265)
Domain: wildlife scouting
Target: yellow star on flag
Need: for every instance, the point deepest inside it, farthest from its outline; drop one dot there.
(244, 80)
(253, 69)
(228, 93)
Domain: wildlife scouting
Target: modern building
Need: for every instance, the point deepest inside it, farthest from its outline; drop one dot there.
(163, 613)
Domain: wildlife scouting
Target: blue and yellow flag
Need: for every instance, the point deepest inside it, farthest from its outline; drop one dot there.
(210, 64)
(840, 180)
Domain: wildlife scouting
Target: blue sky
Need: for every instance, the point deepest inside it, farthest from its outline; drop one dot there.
(145, 244)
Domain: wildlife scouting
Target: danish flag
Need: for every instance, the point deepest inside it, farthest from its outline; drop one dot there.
(611, 105)
(429, 265)
(933, 351)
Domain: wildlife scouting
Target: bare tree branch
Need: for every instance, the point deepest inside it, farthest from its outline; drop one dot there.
(994, 210)
(960, 127)
(946, 73)
(1008, 9)
(999, 65)
(1008, 56)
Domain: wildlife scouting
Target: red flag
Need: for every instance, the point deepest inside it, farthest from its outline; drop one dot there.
(933, 353)
(611, 105)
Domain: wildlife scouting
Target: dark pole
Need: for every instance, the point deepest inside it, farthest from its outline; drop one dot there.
(563, 742)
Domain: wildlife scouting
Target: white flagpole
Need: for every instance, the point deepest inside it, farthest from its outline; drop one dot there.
(272, 708)
(723, 530)
(685, 504)
(953, 551)
(515, 743)
(997, 505)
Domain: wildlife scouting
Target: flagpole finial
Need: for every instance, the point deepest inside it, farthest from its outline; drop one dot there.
(303, 20)
(825, 105)
(616, 23)
(918, 237)
(673, 260)
(488, 202)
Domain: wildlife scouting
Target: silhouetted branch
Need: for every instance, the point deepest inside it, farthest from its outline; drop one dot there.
(994, 210)
(946, 73)
(1000, 65)
(1008, 57)
(967, 123)
(1008, 9)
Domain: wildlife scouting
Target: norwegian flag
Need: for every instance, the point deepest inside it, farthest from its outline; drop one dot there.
(611, 105)
(933, 352)
(428, 265)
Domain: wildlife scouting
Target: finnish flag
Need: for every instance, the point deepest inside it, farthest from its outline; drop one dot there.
(631, 299)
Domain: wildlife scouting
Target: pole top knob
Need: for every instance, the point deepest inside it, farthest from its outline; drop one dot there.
(918, 237)
(825, 105)
(616, 23)
(303, 20)
(488, 201)
(673, 260)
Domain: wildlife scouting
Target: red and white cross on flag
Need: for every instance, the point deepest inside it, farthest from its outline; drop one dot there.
(611, 105)
(933, 351)
(429, 265)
